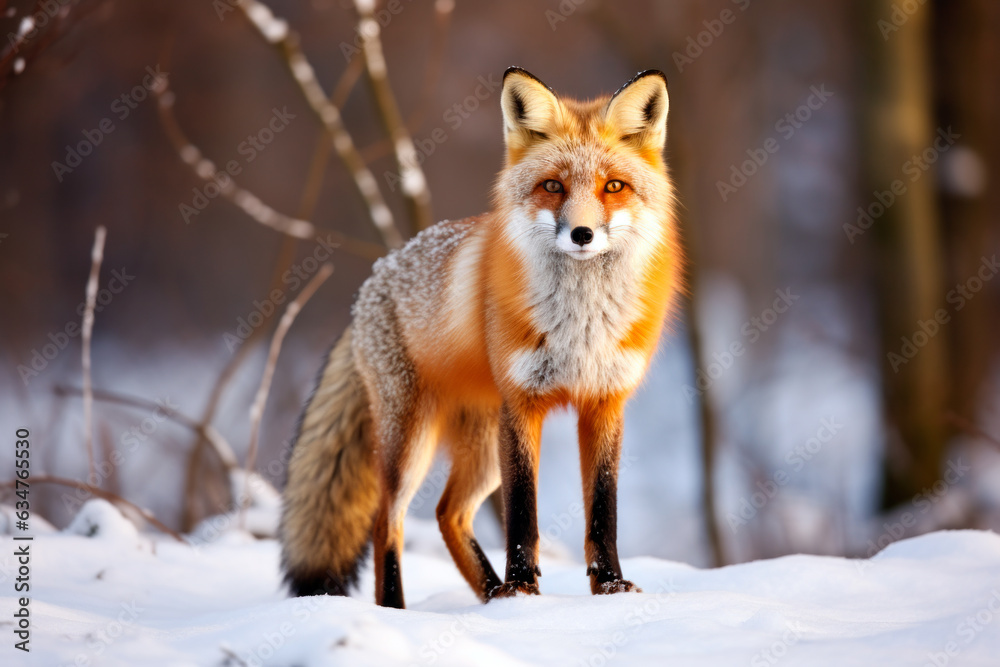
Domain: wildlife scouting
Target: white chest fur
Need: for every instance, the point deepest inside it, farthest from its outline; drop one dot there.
(583, 309)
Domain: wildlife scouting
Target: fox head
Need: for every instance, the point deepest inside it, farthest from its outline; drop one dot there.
(584, 179)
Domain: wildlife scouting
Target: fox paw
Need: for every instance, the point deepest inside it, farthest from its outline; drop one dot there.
(511, 589)
(616, 586)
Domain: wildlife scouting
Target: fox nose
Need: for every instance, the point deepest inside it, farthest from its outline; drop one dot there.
(581, 235)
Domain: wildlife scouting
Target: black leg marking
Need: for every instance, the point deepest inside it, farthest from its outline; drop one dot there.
(392, 581)
(600, 448)
(490, 578)
(602, 532)
(520, 502)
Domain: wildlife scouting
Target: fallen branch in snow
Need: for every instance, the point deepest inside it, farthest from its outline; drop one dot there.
(257, 409)
(411, 175)
(106, 495)
(96, 257)
(277, 33)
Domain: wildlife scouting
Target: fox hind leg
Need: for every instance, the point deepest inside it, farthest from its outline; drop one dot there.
(406, 438)
(475, 474)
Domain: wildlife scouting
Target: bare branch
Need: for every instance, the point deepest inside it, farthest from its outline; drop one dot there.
(244, 199)
(206, 170)
(257, 409)
(106, 495)
(443, 10)
(96, 257)
(277, 33)
(349, 77)
(411, 175)
(213, 437)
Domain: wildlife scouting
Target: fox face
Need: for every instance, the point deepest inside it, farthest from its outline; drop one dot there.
(584, 179)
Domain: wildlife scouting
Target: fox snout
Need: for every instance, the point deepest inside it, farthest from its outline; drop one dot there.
(581, 228)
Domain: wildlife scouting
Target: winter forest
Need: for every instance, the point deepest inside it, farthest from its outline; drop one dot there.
(192, 193)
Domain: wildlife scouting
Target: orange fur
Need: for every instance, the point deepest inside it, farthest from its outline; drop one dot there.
(478, 328)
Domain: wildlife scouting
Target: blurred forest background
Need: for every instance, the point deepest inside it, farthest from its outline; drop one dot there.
(833, 383)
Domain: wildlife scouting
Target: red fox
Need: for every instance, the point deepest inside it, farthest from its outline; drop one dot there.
(476, 329)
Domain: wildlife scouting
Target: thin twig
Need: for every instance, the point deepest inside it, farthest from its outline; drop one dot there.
(411, 175)
(248, 202)
(106, 495)
(213, 437)
(972, 429)
(96, 257)
(348, 78)
(277, 33)
(22, 50)
(257, 409)
(443, 10)
(307, 205)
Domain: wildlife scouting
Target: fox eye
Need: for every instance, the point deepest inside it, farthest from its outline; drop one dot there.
(614, 186)
(552, 186)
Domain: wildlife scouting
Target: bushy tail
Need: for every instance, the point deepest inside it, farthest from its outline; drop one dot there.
(333, 489)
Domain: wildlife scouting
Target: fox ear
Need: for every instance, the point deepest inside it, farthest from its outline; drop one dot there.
(530, 109)
(638, 111)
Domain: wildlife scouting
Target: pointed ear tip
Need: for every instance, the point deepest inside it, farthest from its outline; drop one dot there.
(641, 75)
(520, 71)
(513, 69)
(652, 72)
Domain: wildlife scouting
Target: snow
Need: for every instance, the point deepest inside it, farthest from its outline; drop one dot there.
(105, 594)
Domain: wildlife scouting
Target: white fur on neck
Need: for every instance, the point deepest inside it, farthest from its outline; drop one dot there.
(583, 308)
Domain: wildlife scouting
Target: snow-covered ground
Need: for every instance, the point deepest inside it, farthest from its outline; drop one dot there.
(105, 594)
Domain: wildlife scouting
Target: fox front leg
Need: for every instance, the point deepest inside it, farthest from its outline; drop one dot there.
(600, 426)
(520, 439)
